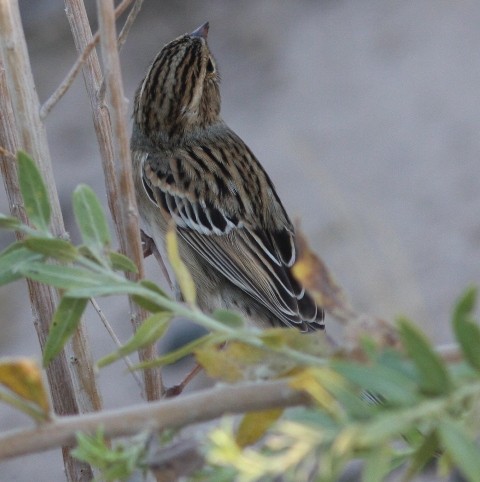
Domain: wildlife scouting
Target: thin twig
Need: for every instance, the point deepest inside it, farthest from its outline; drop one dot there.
(117, 342)
(171, 413)
(72, 74)
(130, 228)
(82, 34)
(68, 80)
(132, 15)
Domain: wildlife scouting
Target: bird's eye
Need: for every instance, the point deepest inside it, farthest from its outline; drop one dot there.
(210, 67)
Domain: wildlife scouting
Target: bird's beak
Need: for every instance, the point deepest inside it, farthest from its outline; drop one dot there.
(201, 31)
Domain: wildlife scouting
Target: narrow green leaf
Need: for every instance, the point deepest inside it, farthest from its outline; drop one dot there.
(120, 262)
(377, 464)
(466, 304)
(64, 323)
(64, 277)
(13, 259)
(114, 463)
(151, 330)
(391, 384)
(467, 332)
(9, 222)
(53, 247)
(109, 287)
(463, 451)
(422, 455)
(146, 303)
(229, 318)
(34, 192)
(384, 427)
(90, 219)
(434, 377)
(177, 354)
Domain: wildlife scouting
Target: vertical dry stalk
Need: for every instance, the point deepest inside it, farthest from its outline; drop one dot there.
(128, 204)
(21, 127)
(122, 204)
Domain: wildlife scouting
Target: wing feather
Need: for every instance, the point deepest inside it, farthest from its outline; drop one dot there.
(256, 261)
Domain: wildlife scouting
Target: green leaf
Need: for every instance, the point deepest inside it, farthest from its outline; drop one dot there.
(65, 277)
(391, 384)
(117, 463)
(13, 259)
(147, 303)
(434, 377)
(385, 426)
(64, 323)
(468, 336)
(177, 354)
(9, 222)
(34, 192)
(377, 464)
(91, 219)
(55, 248)
(466, 304)
(466, 330)
(422, 455)
(151, 330)
(461, 449)
(120, 262)
(109, 287)
(229, 318)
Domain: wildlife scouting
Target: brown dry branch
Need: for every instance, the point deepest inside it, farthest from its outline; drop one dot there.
(73, 388)
(169, 413)
(107, 325)
(66, 83)
(122, 37)
(82, 34)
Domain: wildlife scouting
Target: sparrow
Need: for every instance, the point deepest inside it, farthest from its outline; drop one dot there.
(193, 171)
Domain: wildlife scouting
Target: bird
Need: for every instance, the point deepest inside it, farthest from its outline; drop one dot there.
(191, 170)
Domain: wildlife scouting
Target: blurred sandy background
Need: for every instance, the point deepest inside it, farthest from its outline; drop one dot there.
(365, 114)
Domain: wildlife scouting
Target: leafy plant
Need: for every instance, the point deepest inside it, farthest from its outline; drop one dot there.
(392, 406)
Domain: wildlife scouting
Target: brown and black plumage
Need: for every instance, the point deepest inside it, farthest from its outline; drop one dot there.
(191, 168)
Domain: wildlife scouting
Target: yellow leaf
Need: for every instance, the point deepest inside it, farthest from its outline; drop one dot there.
(184, 278)
(238, 361)
(313, 343)
(307, 380)
(254, 425)
(23, 377)
(223, 363)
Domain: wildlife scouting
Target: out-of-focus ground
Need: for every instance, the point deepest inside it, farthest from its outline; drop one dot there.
(366, 116)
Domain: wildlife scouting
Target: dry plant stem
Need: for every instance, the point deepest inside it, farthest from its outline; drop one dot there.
(72, 74)
(117, 342)
(22, 115)
(82, 34)
(178, 389)
(128, 23)
(127, 199)
(21, 127)
(132, 15)
(41, 298)
(175, 413)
